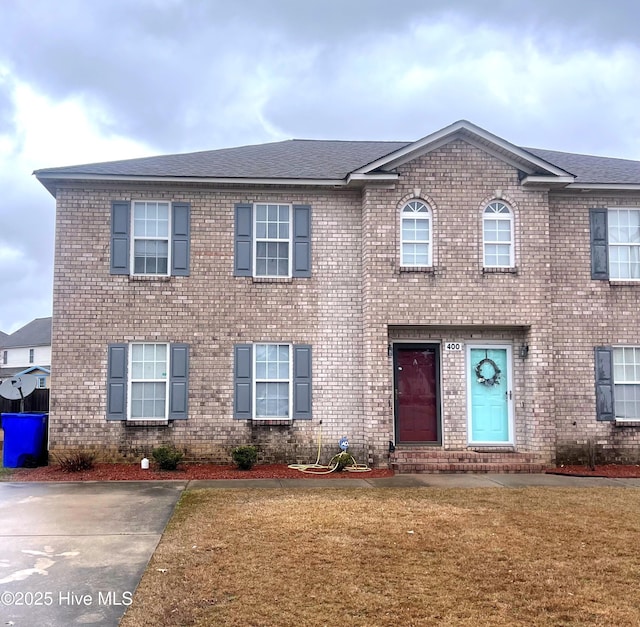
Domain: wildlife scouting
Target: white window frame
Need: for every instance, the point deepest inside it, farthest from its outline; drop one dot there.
(135, 238)
(257, 380)
(5, 357)
(41, 383)
(617, 383)
(619, 245)
(32, 355)
(497, 216)
(416, 215)
(268, 240)
(131, 380)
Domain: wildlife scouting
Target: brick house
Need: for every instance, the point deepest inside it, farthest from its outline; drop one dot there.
(467, 302)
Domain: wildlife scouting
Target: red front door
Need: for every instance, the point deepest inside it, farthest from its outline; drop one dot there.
(416, 393)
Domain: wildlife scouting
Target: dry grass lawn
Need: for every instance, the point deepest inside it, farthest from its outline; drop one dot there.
(357, 557)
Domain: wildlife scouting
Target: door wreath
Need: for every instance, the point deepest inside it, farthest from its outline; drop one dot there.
(484, 380)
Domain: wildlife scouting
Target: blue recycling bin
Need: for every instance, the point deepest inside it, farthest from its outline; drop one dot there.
(25, 440)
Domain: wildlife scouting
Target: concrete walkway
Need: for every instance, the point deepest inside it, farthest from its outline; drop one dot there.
(73, 553)
(433, 481)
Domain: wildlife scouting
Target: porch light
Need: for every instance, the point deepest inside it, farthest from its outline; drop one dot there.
(524, 351)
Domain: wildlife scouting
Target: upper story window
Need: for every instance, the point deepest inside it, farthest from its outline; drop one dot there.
(31, 355)
(497, 235)
(624, 243)
(150, 238)
(5, 357)
(272, 240)
(415, 239)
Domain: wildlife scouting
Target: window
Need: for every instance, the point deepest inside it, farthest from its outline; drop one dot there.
(272, 230)
(415, 229)
(41, 383)
(272, 240)
(5, 357)
(147, 381)
(624, 243)
(626, 380)
(150, 238)
(31, 355)
(272, 381)
(273, 373)
(497, 236)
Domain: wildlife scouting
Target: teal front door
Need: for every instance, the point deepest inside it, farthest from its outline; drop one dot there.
(489, 393)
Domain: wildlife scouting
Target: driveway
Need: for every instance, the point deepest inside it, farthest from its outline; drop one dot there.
(73, 553)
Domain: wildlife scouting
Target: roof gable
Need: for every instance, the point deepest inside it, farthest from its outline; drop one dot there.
(525, 161)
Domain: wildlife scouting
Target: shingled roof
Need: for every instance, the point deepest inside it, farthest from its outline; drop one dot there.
(35, 333)
(332, 161)
(290, 159)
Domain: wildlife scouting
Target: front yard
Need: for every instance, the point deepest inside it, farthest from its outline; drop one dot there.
(369, 557)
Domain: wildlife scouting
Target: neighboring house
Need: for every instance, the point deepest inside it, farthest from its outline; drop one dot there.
(28, 351)
(468, 302)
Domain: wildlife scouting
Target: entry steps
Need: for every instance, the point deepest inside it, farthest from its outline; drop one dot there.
(427, 460)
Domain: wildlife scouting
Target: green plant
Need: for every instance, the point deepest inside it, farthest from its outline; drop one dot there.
(75, 461)
(244, 457)
(167, 457)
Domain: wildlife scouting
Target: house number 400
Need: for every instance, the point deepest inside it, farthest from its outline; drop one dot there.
(453, 346)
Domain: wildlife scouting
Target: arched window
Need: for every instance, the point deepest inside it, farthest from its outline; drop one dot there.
(497, 235)
(415, 238)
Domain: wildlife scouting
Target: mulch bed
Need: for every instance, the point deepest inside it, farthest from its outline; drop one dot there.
(185, 472)
(612, 471)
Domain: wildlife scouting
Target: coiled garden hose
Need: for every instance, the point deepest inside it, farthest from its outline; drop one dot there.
(318, 469)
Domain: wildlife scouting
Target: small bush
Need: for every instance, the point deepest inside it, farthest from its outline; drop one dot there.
(76, 461)
(167, 457)
(245, 457)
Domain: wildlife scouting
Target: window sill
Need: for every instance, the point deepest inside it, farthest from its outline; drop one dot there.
(147, 423)
(422, 269)
(150, 277)
(624, 282)
(272, 421)
(500, 270)
(622, 422)
(272, 279)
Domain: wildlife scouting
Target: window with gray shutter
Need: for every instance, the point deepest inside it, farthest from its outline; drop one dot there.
(599, 244)
(178, 381)
(604, 383)
(117, 382)
(120, 227)
(301, 241)
(180, 238)
(302, 381)
(243, 384)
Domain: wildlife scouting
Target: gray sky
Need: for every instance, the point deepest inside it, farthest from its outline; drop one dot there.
(92, 81)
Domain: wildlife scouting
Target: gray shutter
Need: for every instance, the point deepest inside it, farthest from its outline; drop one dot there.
(599, 244)
(243, 245)
(180, 235)
(120, 227)
(604, 383)
(179, 381)
(117, 382)
(302, 381)
(242, 371)
(301, 241)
